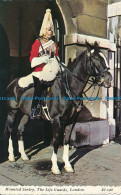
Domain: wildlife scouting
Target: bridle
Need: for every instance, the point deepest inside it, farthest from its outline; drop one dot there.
(94, 81)
(97, 72)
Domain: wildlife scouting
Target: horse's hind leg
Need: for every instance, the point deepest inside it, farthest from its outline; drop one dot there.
(21, 127)
(11, 150)
(67, 166)
(10, 127)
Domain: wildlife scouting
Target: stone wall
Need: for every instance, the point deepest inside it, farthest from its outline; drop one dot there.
(85, 17)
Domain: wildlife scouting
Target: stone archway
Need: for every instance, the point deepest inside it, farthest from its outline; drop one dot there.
(4, 49)
(4, 64)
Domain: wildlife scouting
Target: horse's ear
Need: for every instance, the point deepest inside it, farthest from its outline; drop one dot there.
(89, 47)
(96, 44)
(96, 47)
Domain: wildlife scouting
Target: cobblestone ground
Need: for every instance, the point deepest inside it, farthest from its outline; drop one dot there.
(92, 165)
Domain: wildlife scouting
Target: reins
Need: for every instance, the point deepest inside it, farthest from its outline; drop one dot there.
(69, 91)
(67, 70)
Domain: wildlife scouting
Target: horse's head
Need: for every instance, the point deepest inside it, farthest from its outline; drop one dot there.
(97, 66)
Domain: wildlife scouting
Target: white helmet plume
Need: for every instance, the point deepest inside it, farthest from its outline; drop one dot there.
(47, 23)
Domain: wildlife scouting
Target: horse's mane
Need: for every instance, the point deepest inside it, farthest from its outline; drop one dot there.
(72, 64)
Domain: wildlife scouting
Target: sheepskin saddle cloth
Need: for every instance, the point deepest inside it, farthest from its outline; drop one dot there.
(48, 73)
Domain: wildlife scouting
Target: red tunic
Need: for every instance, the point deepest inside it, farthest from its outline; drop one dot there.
(34, 53)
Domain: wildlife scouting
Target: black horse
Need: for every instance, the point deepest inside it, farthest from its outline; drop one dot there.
(91, 63)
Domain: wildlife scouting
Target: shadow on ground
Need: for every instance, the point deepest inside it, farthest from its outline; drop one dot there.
(35, 132)
(117, 139)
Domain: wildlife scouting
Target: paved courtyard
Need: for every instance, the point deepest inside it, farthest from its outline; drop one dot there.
(93, 166)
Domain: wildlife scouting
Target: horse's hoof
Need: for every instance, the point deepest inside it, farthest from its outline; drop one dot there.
(69, 169)
(56, 171)
(11, 158)
(24, 158)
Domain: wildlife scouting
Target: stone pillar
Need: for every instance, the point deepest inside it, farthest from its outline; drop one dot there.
(111, 120)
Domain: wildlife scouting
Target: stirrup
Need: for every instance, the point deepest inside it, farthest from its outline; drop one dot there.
(35, 113)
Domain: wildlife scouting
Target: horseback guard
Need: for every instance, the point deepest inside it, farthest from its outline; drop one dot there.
(90, 67)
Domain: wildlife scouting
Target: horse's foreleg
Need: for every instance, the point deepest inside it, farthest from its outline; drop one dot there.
(56, 136)
(21, 127)
(21, 150)
(10, 150)
(55, 170)
(67, 166)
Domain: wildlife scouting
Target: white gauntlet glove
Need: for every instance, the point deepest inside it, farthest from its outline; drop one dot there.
(39, 60)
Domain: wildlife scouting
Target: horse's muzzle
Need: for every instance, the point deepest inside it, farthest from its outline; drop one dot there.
(107, 80)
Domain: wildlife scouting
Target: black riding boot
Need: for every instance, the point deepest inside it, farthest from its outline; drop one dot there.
(36, 103)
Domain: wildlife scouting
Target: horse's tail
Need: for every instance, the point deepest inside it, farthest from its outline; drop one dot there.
(10, 88)
(5, 132)
(11, 106)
